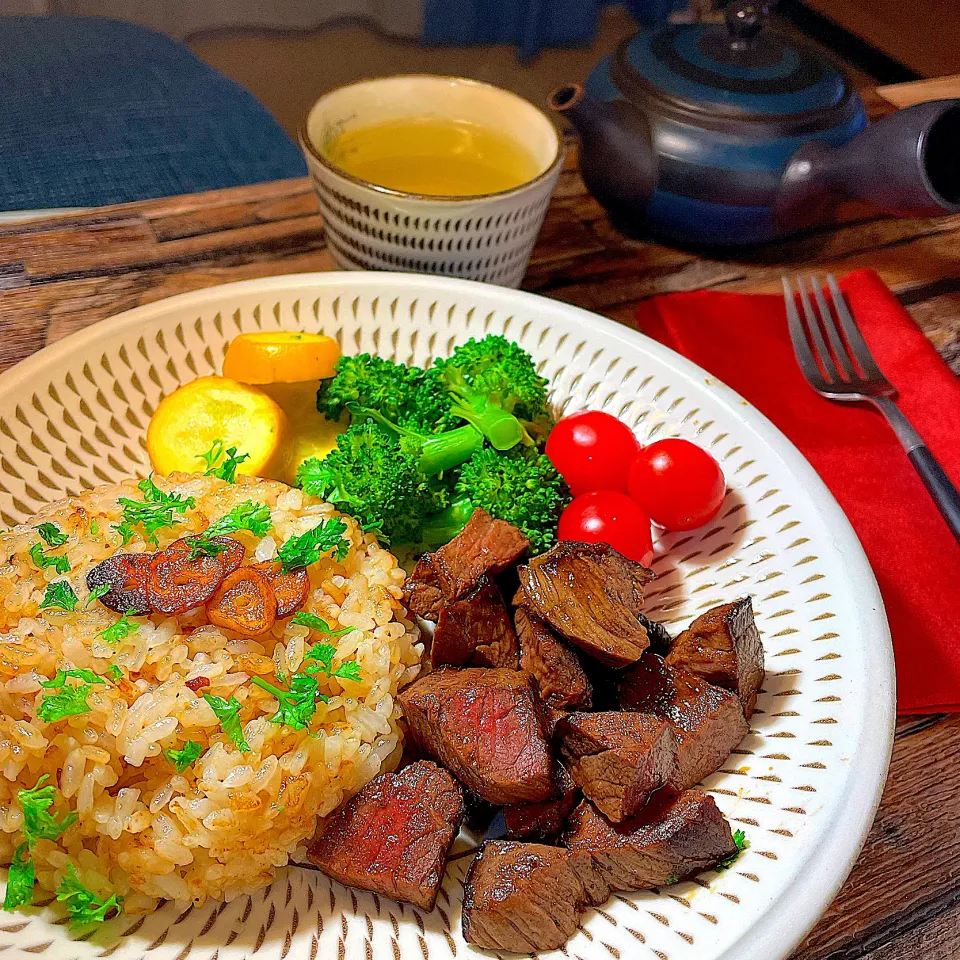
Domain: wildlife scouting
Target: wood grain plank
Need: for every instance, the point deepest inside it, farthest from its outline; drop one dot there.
(206, 220)
(66, 254)
(34, 316)
(908, 871)
(920, 91)
(934, 939)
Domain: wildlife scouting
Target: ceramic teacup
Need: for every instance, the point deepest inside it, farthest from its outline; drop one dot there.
(371, 227)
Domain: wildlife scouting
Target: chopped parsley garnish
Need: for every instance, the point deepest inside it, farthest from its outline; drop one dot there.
(671, 880)
(228, 713)
(19, 880)
(38, 824)
(222, 461)
(313, 622)
(185, 757)
(97, 592)
(250, 516)
(151, 514)
(70, 701)
(323, 654)
(120, 630)
(59, 595)
(84, 905)
(94, 528)
(52, 535)
(298, 704)
(61, 676)
(306, 549)
(44, 560)
(740, 839)
(114, 673)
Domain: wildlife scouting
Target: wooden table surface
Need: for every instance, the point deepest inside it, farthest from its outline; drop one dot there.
(902, 900)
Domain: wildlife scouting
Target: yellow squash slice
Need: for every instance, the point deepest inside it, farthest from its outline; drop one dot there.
(189, 420)
(280, 356)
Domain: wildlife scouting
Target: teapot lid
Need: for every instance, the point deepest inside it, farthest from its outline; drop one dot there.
(724, 74)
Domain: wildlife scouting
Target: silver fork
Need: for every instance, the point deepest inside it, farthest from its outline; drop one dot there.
(838, 364)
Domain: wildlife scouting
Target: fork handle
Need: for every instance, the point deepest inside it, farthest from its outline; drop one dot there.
(939, 486)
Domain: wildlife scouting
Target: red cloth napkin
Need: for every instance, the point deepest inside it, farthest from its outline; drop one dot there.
(743, 340)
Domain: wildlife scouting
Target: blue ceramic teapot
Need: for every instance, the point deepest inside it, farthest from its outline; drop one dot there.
(728, 134)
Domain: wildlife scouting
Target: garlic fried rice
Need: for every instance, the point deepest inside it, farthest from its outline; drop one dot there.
(220, 826)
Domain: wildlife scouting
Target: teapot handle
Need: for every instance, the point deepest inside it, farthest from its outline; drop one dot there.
(745, 19)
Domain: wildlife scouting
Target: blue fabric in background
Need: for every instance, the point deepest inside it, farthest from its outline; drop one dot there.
(529, 25)
(96, 111)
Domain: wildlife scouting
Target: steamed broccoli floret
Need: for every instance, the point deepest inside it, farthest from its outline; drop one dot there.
(521, 487)
(437, 452)
(376, 478)
(404, 395)
(496, 386)
(412, 469)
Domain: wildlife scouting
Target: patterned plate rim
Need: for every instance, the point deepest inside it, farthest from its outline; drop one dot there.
(826, 864)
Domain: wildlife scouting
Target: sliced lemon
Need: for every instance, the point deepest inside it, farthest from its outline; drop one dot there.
(280, 356)
(188, 421)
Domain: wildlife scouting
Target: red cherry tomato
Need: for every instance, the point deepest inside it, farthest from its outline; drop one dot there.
(592, 451)
(677, 483)
(608, 516)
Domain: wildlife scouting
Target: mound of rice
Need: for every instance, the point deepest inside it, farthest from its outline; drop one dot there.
(224, 825)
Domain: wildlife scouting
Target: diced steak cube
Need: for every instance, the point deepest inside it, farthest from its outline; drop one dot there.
(526, 897)
(486, 727)
(543, 821)
(657, 634)
(551, 717)
(556, 668)
(476, 631)
(674, 836)
(484, 545)
(591, 595)
(480, 814)
(708, 721)
(618, 759)
(422, 593)
(723, 646)
(393, 837)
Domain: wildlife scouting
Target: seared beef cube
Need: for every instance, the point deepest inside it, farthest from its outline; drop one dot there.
(484, 545)
(526, 897)
(422, 593)
(543, 821)
(708, 721)
(479, 814)
(476, 630)
(591, 595)
(393, 837)
(674, 836)
(485, 727)
(556, 668)
(723, 646)
(657, 634)
(618, 759)
(603, 683)
(551, 718)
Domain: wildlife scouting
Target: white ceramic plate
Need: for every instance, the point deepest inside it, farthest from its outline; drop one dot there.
(804, 784)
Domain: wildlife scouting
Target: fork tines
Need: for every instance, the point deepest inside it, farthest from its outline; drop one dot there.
(829, 346)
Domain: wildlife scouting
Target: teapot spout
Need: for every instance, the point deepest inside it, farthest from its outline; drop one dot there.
(616, 154)
(907, 165)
